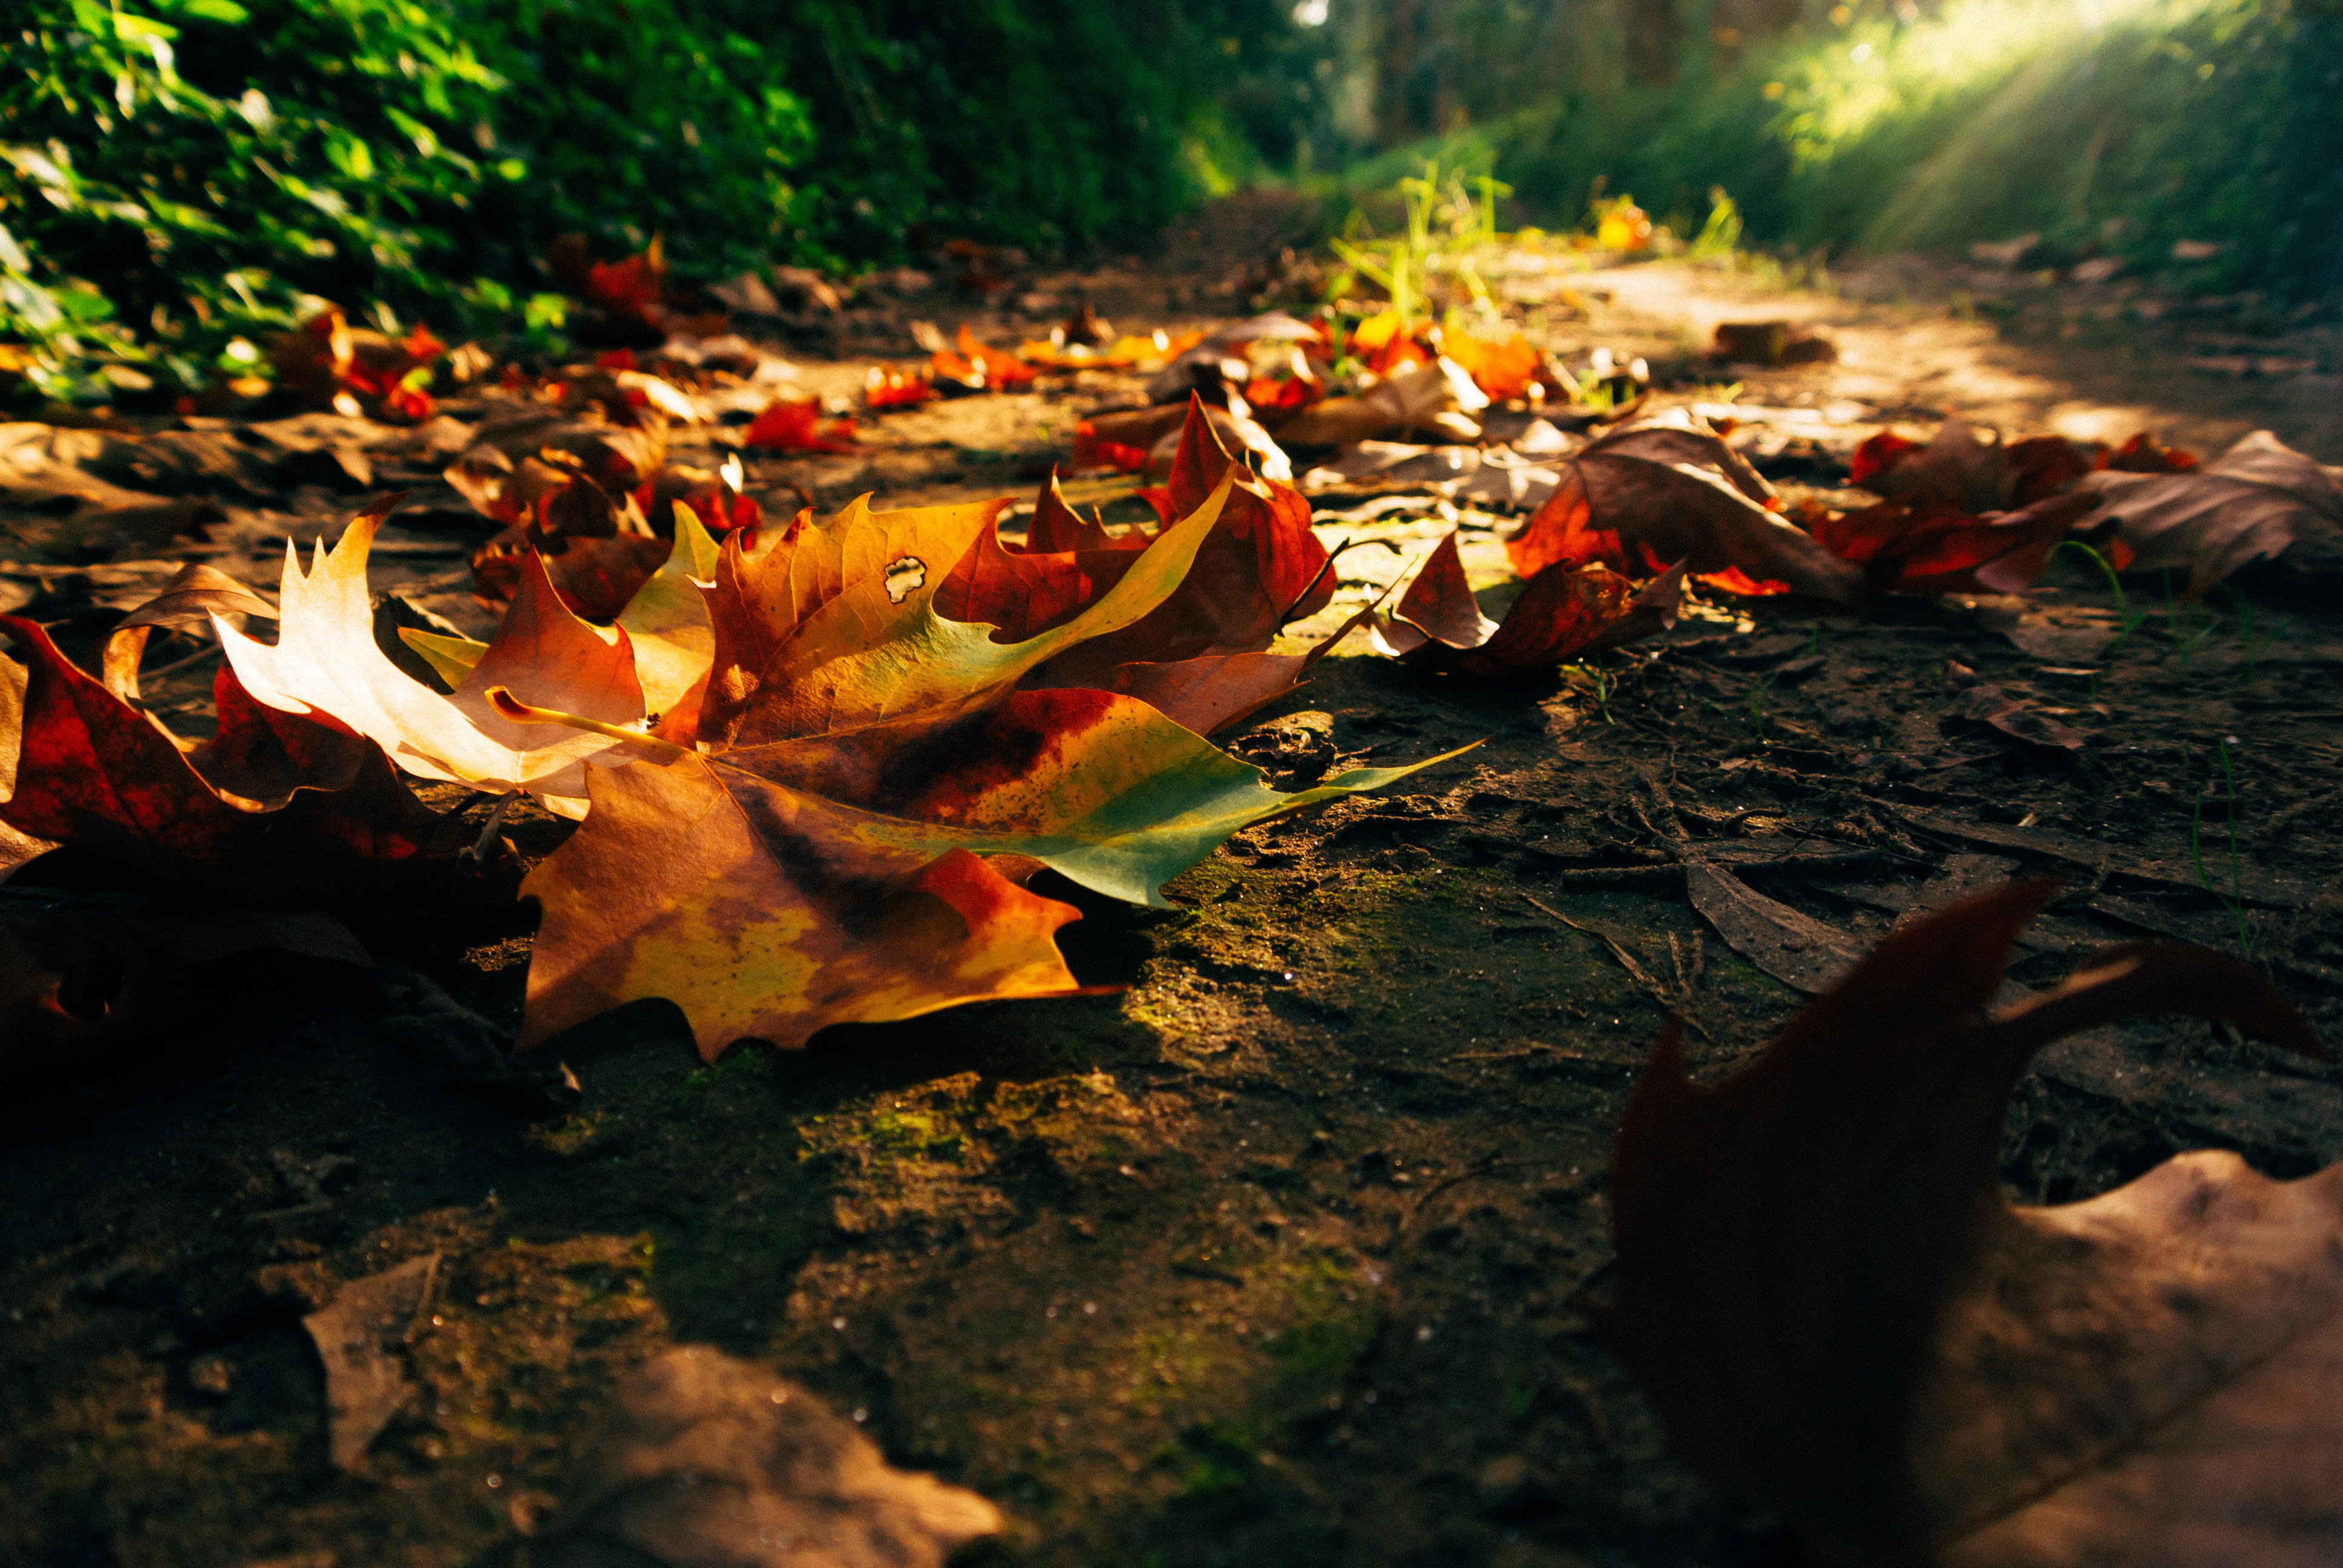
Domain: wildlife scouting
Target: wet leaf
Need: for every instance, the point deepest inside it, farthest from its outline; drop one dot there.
(706, 1460)
(1563, 613)
(1841, 1319)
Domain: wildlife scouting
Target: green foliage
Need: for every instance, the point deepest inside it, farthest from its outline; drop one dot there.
(2116, 125)
(2125, 125)
(178, 176)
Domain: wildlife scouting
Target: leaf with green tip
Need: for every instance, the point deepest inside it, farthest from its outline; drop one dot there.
(848, 842)
(772, 891)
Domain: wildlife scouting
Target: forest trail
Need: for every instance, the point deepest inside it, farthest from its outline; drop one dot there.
(1281, 1248)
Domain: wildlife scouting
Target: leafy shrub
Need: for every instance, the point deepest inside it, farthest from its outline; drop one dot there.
(175, 179)
(2125, 125)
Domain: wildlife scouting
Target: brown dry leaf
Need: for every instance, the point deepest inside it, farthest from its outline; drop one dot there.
(359, 1338)
(1959, 468)
(1841, 1319)
(706, 1460)
(49, 501)
(2254, 501)
(1439, 397)
(1983, 702)
(1771, 342)
(1664, 491)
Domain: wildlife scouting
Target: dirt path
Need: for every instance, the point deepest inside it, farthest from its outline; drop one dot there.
(1283, 1252)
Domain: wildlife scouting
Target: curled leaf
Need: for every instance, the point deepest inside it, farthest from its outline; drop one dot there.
(1563, 613)
(1840, 1316)
(1635, 502)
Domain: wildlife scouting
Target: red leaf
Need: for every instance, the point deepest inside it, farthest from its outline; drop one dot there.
(2142, 455)
(278, 809)
(796, 425)
(896, 386)
(1877, 453)
(1935, 547)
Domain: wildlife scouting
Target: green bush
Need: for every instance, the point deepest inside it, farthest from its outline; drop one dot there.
(2123, 126)
(172, 179)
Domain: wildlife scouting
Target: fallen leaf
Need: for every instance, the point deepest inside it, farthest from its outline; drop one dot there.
(275, 810)
(2254, 501)
(598, 550)
(50, 501)
(976, 367)
(1841, 1319)
(1124, 441)
(17, 849)
(1058, 529)
(326, 661)
(1631, 500)
(706, 1460)
(897, 387)
(1437, 395)
(822, 857)
(2142, 454)
(666, 621)
(1564, 613)
(1502, 371)
(1771, 342)
(354, 371)
(1261, 567)
(1934, 547)
(359, 1337)
(1209, 693)
(1960, 470)
(1984, 703)
(796, 424)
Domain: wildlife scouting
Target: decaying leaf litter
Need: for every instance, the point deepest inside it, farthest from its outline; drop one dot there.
(1287, 1250)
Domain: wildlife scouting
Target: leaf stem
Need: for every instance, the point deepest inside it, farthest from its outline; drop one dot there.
(514, 709)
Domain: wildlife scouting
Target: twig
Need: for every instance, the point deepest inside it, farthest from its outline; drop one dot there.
(1673, 998)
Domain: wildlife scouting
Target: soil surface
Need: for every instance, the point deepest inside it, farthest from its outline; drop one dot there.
(1281, 1251)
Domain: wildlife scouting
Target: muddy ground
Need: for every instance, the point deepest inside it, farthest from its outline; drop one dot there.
(1285, 1251)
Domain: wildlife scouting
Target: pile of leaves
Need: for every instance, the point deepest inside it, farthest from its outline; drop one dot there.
(819, 765)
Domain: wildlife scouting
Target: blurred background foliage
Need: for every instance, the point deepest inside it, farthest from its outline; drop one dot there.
(176, 173)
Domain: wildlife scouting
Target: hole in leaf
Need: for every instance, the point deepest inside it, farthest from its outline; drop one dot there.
(903, 576)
